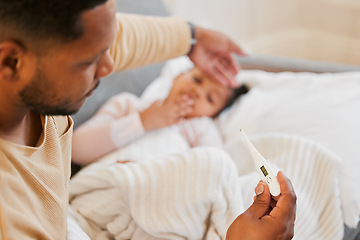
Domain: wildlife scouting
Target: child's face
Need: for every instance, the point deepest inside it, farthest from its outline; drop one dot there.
(209, 97)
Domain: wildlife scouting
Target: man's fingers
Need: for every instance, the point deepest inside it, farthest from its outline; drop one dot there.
(286, 206)
(261, 204)
(225, 73)
(238, 50)
(230, 64)
(233, 65)
(216, 75)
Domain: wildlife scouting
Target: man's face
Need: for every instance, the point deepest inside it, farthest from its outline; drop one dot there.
(66, 76)
(209, 97)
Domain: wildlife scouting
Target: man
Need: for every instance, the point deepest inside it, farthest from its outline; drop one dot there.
(52, 56)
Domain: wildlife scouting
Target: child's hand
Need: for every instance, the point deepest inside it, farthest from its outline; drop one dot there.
(162, 114)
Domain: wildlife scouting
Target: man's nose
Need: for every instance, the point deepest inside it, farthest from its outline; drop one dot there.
(106, 65)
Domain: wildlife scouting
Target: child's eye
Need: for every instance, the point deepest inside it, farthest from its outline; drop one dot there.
(210, 99)
(197, 80)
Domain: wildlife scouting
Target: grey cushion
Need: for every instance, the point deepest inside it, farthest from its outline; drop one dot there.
(274, 63)
(147, 7)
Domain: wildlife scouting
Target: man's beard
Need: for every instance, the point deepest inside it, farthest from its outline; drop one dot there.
(38, 99)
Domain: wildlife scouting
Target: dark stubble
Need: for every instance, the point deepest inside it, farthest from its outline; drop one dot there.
(37, 96)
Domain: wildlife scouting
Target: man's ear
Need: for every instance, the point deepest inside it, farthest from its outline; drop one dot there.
(11, 58)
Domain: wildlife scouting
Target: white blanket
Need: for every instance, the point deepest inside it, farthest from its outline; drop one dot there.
(322, 107)
(198, 193)
(181, 196)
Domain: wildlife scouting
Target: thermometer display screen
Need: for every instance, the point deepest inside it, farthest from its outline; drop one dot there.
(263, 169)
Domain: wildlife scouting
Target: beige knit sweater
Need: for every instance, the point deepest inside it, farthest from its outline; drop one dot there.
(34, 180)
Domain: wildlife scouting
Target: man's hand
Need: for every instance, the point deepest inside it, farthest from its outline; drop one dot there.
(162, 114)
(213, 54)
(261, 221)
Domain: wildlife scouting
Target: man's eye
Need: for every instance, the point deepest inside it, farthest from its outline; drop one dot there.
(86, 64)
(92, 62)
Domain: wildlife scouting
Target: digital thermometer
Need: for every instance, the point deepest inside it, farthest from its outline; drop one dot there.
(264, 169)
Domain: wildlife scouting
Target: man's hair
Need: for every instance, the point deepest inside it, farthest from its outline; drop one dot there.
(43, 20)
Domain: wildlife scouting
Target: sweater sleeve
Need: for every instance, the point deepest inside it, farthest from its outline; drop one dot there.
(143, 40)
(116, 124)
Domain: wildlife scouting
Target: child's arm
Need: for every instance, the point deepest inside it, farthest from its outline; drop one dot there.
(116, 124)
(119, 122)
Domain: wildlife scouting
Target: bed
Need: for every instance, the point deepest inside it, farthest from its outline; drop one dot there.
(297, 109)
(305, 123)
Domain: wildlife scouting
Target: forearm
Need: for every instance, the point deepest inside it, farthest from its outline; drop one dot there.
(143, 40)
(116, 124)
(92, 141)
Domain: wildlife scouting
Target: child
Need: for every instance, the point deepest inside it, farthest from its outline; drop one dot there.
(186, 113)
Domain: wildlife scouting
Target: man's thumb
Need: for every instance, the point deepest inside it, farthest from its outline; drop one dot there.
(261, 204)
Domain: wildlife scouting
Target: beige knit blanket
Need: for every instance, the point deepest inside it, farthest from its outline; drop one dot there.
(196, 194)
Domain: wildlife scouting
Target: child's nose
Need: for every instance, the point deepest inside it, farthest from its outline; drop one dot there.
(197, 91)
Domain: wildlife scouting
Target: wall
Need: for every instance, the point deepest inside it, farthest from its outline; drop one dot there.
(322, 30)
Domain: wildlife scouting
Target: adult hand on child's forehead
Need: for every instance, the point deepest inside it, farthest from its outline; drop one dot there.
(213, 54)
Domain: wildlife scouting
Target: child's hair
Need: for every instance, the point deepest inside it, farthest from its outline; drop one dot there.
(237, 92)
